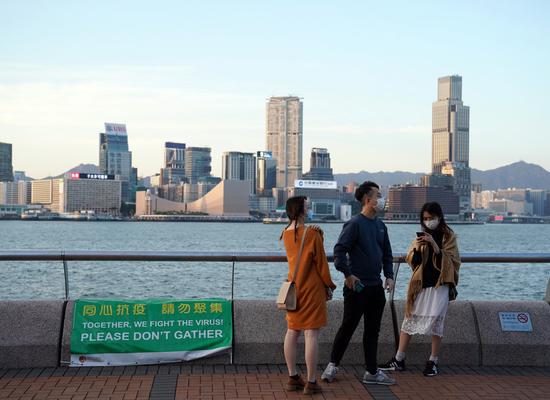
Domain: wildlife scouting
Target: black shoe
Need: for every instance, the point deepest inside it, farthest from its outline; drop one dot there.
(431, 369)
(393, 365)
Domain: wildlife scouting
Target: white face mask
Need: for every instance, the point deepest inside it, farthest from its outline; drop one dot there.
(380, 204)
(432, 224)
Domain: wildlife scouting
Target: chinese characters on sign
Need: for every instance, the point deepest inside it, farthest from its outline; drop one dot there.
(110, 332)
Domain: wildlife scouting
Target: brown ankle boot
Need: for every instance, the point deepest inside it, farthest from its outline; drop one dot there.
(312, 388)
(294, 383)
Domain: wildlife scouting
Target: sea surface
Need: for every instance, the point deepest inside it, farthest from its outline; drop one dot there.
(40, 280)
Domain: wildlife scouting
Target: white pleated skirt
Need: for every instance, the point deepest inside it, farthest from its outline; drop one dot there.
(428, 313)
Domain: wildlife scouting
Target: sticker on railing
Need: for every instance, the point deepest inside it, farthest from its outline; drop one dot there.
(131, 332)
(515, 322)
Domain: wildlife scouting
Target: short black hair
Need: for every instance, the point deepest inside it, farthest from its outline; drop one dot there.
(364, 189)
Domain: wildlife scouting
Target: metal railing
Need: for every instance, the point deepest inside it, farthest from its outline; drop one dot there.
(234, 257)
(156, 256)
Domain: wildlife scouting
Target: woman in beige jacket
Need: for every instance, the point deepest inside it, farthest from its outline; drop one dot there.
(435, 261)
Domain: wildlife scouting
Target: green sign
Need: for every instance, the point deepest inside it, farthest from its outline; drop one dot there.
(130, 332)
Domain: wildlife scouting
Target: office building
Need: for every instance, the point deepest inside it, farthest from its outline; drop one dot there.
(440, 180)
(19, 176)
(198, 163)
(406, 201)
(537, 197)
(284, 135)
(319, 166)
(173, 172)
(239, 166)
(6, 166)
(9, 193)
(451, 136)
(266, 173)
(116, 159)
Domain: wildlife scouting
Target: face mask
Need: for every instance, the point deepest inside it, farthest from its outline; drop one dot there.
(432, 224)
(310, 214)
(380, 204)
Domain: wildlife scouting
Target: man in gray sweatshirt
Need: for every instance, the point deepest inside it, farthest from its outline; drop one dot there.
(363, 250)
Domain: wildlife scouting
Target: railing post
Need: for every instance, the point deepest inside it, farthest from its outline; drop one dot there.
(231, 355)
(392, 306)
(66, 275)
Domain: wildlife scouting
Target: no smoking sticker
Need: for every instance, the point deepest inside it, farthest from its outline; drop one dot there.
(515, 321)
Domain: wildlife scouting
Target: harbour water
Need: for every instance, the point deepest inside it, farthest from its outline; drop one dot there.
(33, 280)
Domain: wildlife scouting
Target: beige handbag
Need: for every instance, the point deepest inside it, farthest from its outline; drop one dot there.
(287, 294)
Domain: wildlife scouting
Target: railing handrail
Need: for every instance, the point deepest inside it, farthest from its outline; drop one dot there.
(228, 256)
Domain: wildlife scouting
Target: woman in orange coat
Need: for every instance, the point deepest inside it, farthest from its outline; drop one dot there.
(314, 287)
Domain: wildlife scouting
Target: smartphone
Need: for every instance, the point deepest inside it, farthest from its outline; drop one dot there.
(358, 286)
(419, 234)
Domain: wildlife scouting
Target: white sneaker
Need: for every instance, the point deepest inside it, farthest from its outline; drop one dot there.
(329, 373)
(380, 378)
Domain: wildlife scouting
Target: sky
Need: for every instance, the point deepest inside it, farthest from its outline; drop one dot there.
(200, 73)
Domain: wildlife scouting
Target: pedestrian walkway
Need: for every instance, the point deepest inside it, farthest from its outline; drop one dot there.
(264, 382)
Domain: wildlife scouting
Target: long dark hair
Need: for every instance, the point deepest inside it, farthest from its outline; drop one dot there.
(295, 208)
(434, 209)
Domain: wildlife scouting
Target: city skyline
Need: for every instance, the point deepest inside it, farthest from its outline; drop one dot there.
(365, 73)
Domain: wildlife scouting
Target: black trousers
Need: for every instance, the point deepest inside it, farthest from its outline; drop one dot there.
(369, 303)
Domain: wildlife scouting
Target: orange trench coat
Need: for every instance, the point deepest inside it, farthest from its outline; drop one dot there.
(312, 280)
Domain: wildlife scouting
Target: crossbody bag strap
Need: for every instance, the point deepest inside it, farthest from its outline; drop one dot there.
(299, 256)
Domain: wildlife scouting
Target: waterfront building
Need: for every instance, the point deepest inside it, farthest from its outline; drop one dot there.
(240, 167)
(173, 171)
(537, 197)
(6, 166)
(319, 166)
(508, 206)
(115, 158)
(323, 197)
(77, 192)
(263, 204)
(406, 201)
(198, 163)
(24, 192)
(228, 198)
(284, 136)
(547, 204)
(266, 173)
(9, 193)
(451, 136)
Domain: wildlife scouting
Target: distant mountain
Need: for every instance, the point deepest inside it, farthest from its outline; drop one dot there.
(84, 168)
(519, 175)
(382, 178)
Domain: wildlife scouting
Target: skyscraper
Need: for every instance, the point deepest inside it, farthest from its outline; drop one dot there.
(451, 136)
(198, 163)
(266, 173)
(173, 172)
(319, 166)
(284, 132)
(116, 159)
(239, 167)
(6, 166)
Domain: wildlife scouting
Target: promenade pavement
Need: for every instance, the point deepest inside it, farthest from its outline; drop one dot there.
(265, 382)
